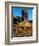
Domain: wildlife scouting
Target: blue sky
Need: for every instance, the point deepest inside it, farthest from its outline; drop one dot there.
(16, 11)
